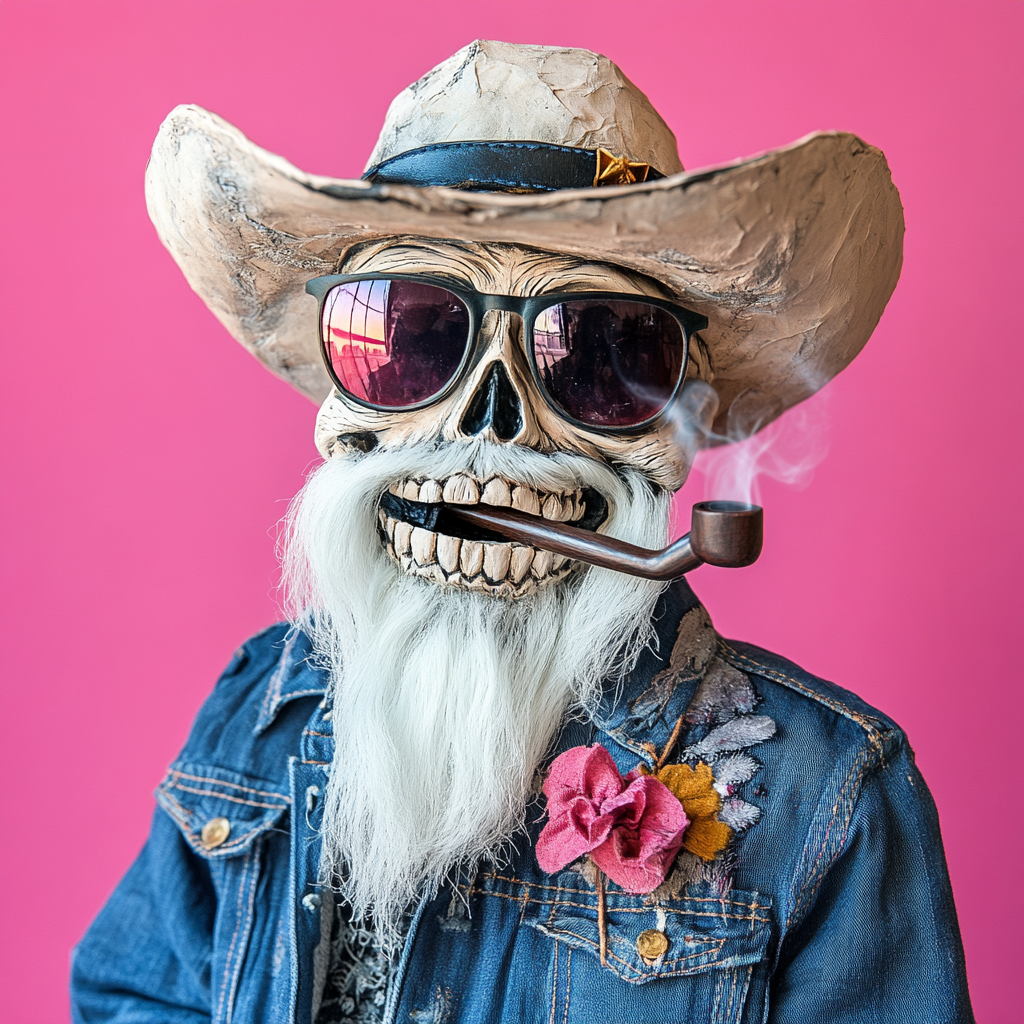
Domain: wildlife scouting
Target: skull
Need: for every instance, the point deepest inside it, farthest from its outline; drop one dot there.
(497, 401)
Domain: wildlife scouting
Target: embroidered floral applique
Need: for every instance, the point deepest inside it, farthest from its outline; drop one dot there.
(631, 827)
(722, 729)
(694, 787)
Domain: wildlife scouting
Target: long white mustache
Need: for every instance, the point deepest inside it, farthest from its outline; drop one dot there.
(445, 701)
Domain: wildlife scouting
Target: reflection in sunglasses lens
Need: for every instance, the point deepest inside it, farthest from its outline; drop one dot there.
(394, 343)
(609, 362)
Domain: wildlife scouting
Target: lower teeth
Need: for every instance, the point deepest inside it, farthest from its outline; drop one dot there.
(467, 562)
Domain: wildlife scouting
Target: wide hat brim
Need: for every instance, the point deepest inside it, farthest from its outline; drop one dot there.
(791, 255)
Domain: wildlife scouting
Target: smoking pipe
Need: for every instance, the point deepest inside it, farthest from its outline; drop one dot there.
(726, 533)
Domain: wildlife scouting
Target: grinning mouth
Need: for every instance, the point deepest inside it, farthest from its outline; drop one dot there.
(428, 541)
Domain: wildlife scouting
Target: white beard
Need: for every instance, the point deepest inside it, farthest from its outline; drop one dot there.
(446, 701)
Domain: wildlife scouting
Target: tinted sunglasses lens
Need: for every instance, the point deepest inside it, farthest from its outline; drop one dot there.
(609, 362)
(394, 343)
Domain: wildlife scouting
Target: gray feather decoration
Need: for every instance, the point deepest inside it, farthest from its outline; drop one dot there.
(722, 693)
(694, 648)
(738, 814)
(743, 731)
(735, 768)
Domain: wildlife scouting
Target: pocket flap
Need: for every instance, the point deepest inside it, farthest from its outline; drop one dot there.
(218, 811)
(693, 934)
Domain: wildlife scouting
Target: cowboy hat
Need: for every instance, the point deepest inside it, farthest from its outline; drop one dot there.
(791, 255)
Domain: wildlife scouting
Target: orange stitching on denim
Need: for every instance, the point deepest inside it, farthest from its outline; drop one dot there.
(249, 916)
(732, 994)
(845, 792)
(874, 728)
(717, 943)
(184, 820)
(534, 885)
(742, 984)
(647, 906)
(738, 985)
(720, 997)
(586, 892)
(716, 999)
(645, 909)
(225, 796)
(315, 762)
(234, 937)
(554, 984)
(224, 848)
(870, 725)
(227, 847)
(525, 902)
(326, 735)
(568, 983)
(219, 851)
(234, 785)
(744, 991)
(625, 740)
(860, 764)
(555, 904)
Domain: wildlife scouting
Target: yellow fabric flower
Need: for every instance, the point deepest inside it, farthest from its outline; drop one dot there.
(694, 788)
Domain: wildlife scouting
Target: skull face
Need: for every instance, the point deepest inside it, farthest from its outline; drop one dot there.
(497, 401)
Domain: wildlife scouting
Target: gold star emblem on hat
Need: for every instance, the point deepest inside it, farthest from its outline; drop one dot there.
(618, 170)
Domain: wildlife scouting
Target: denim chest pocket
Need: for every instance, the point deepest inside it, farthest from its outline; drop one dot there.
(219, 812)
(701, 957)
(647, 940)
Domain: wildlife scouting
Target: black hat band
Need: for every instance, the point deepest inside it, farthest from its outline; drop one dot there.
(508, 167)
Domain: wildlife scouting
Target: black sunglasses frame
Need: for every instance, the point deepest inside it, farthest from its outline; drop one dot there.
(528, 308)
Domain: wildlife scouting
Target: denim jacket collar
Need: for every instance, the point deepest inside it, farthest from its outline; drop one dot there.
(640, 713)
(296, 676)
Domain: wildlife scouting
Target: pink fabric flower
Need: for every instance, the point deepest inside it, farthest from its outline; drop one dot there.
(631, 827)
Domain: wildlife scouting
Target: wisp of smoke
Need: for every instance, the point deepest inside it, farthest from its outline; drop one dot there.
(787, 450)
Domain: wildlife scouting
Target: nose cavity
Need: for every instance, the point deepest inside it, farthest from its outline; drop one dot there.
(495, 405)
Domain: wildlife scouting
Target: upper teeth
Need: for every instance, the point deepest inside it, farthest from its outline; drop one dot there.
(496, 567)
(563, 506)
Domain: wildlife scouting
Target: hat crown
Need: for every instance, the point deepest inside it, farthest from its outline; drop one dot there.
(494, 92)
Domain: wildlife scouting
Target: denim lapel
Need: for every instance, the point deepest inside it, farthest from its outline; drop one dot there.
(295, 676)
(640, 713)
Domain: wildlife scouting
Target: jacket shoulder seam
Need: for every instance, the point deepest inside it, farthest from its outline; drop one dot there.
(809, 876)
(877, 731)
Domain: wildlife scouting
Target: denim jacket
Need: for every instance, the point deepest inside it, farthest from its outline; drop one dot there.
(833, 905)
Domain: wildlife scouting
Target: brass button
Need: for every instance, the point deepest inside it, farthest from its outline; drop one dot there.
(215, 831)
(651, 945)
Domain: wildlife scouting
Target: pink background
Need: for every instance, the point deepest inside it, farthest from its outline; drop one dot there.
(148, 457)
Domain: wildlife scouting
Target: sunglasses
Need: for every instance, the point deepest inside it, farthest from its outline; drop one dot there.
(603, 360)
